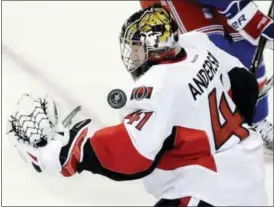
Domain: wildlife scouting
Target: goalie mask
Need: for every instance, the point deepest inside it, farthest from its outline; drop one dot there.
(148, 36)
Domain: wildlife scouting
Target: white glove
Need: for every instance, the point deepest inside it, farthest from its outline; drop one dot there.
(38, 131)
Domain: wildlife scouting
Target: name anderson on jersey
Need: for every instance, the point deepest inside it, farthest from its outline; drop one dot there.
(205, 75)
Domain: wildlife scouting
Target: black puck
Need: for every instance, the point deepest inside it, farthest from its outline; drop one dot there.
(117, 98)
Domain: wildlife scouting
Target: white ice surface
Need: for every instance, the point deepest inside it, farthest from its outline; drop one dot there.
(71, 51)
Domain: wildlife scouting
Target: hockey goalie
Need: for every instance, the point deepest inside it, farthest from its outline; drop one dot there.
(216, 19)
(186, 127)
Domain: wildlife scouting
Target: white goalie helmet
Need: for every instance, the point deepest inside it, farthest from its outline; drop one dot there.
(148, 35)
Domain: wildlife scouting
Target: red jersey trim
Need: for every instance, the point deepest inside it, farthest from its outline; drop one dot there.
(116, 152)
(191, 148)
(70, 167)
(173, 61)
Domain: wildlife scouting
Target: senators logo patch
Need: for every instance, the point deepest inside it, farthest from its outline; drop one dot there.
(141, 93)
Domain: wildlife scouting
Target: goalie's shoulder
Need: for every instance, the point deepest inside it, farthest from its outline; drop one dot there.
(154, 82)
(160, 82)
(194, 38)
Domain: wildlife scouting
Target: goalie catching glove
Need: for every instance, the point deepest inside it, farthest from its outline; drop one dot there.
(36, 130)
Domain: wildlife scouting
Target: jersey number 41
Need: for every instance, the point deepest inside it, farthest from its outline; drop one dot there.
(233, 124)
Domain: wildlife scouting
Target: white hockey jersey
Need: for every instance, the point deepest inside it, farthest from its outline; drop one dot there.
(181, 133)
(182, 112)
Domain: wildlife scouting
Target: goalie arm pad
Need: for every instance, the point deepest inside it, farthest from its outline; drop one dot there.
(133, 149)
(111, 153)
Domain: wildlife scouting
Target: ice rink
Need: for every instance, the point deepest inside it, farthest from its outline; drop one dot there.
(70, 50)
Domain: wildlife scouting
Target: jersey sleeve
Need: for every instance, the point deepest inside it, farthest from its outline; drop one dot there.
(132, 149)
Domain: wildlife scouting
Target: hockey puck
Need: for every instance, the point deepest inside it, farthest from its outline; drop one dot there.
(117, 98)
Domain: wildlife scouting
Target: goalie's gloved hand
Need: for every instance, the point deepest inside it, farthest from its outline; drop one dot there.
(44, 138)
(72, 153)
(245, 17)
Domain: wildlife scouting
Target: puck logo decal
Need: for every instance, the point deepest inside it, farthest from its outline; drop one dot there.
(117, 98)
